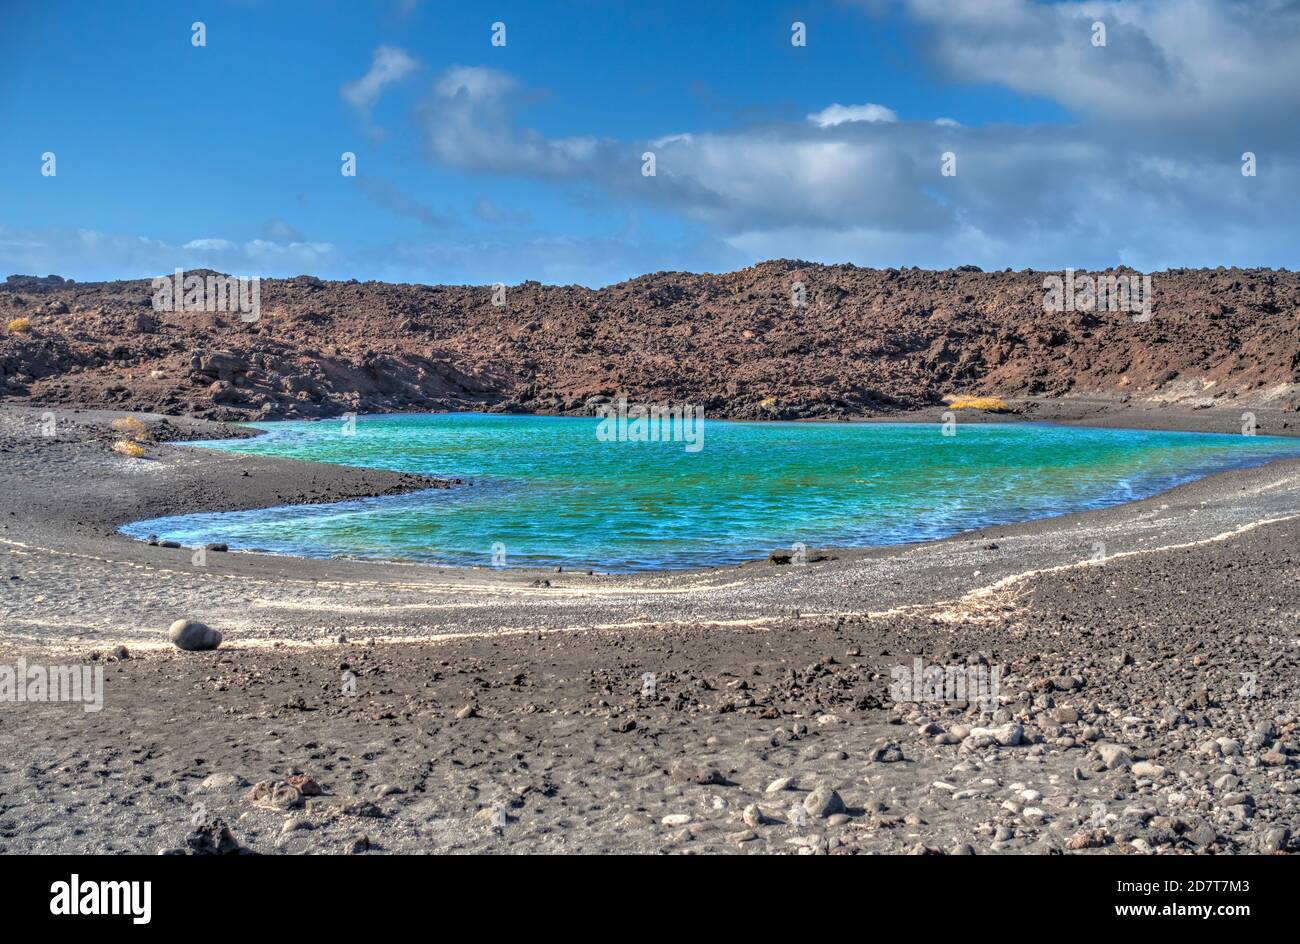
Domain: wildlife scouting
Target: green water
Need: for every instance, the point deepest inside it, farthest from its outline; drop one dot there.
(547, 491)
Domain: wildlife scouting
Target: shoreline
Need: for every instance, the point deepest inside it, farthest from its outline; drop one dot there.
(184, 481)
(1060, 413)
(835, 551)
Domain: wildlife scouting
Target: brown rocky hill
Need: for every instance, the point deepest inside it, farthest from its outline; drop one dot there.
(866, 341)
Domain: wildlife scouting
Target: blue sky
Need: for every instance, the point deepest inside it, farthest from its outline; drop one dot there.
(478, 163)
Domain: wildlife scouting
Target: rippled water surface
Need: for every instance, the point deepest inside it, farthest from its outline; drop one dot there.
(547, 491)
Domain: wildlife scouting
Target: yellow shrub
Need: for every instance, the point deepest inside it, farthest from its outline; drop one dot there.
(768, 403)
(131, 428)
(991, 404)
(134, 450)
(20, 325)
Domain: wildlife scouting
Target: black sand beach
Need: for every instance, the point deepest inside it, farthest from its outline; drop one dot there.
(1145, 657)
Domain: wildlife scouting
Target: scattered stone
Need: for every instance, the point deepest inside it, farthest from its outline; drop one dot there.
(1008, 735)
(361, 807)
(889, 753)
(305, 785)
(212, 838)
(1273, 840)
(274, 795)
(215, 783)
(1149, 771)
(683, 771)
(1114, 755)
(193, 636)
(823, 802)
(1088, 839)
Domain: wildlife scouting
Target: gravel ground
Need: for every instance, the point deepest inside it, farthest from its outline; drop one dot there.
(1144, 657)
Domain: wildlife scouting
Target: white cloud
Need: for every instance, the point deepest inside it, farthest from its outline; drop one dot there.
(1194, 68)
(210, 245)
(389, 66)
(87, 254)
(469, 122)
(1146, 170)
(839, 114)
(1138, 163)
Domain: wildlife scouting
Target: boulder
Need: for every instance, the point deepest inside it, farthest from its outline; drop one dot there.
(224, 365)
(193, 636)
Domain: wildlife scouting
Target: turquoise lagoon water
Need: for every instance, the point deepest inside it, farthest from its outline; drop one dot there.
(547, 491)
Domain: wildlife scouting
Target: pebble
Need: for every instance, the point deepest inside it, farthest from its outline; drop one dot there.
(1229, 747)
(676, 819)
(221, 781)
(683, 771)
(1114, 755)
(1273, 840)
(1148, 770)
(1009, 735)
(823, 802)
(274, 794)
(888, 753)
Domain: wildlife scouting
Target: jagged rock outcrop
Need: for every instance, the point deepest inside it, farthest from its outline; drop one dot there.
(865, 341)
